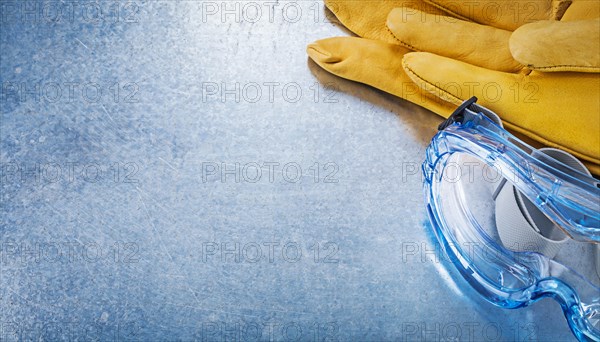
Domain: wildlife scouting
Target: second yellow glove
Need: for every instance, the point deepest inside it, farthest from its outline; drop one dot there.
(557, 109)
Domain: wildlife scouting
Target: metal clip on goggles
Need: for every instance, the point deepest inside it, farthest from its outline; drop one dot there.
(519, 223)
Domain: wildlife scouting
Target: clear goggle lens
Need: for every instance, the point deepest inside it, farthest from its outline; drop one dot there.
(519, 223)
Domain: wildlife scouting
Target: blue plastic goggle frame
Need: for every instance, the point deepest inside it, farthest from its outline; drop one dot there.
(570, 199)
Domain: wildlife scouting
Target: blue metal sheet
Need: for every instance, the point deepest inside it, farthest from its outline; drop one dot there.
(179, 170)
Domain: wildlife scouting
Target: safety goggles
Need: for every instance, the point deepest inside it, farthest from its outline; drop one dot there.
(519, 223)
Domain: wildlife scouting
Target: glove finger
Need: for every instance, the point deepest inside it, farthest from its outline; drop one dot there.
(469, 42)
(367, 18)
(558, 46)
(581, 10)
(507, 15)
(375, 63)
(556, 109)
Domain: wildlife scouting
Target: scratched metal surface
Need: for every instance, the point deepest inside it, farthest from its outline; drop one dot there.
(151, 155)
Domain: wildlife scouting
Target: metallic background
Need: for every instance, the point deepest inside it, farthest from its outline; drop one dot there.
(133, 208)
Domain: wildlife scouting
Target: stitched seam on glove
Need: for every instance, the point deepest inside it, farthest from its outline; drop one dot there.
(561, 67)
(428, 85)
(447, 10)
(406, 45)
(437, 91)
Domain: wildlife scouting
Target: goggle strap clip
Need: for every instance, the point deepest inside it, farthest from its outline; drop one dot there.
(466, 110)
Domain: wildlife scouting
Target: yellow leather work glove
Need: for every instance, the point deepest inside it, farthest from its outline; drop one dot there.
(377, 63)
(556, 104)
(377, 60)
(557, 109)
(503, 14)
(367, 18)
